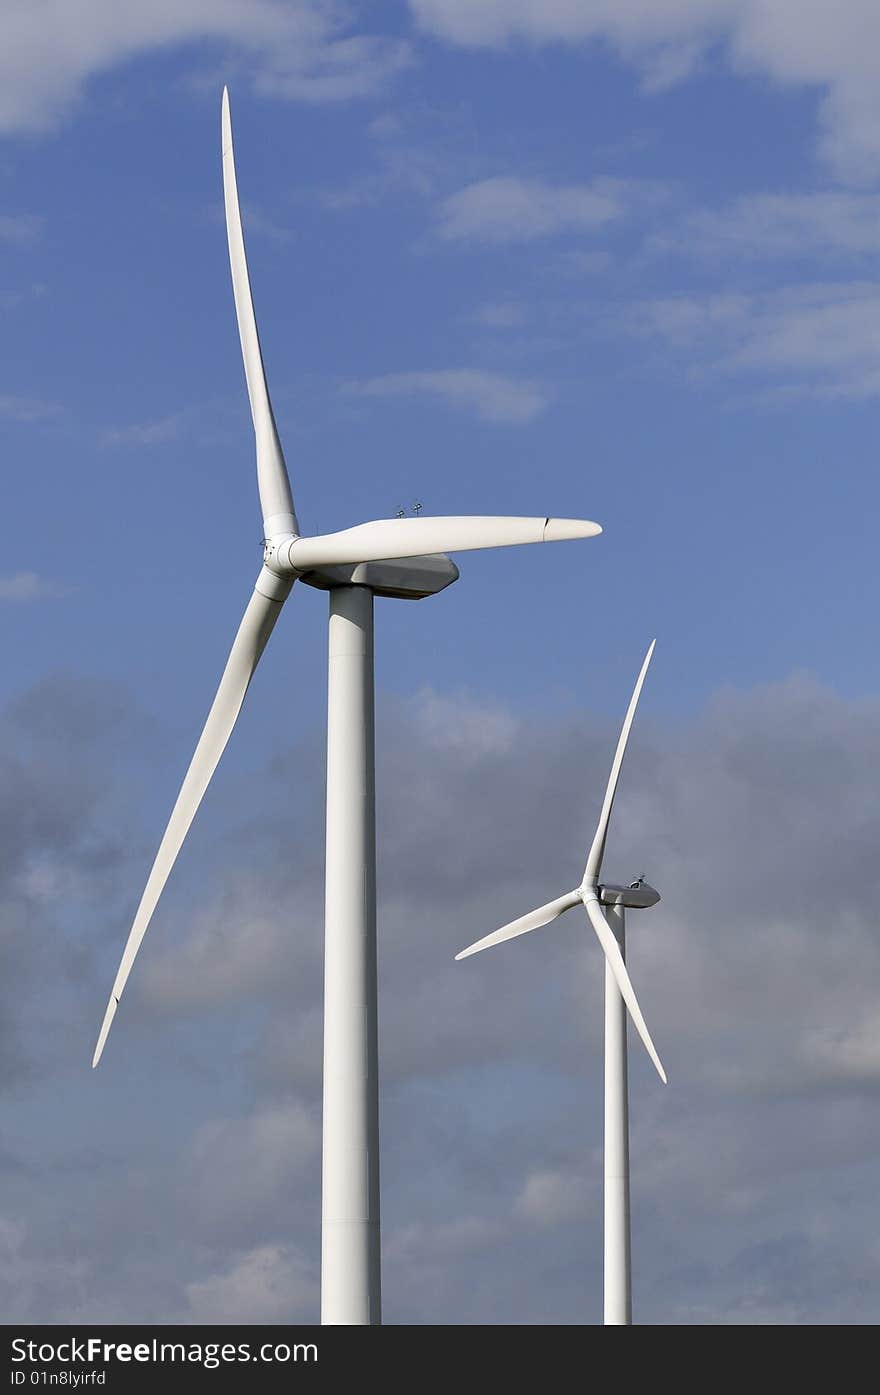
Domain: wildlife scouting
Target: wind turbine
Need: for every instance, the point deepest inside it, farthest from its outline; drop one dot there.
(609, 926)
(400, 558)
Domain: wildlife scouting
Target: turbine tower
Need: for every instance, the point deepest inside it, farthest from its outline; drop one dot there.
(400, 558)
(609, 925)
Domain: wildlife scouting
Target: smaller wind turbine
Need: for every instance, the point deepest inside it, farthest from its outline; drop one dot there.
(619, 995)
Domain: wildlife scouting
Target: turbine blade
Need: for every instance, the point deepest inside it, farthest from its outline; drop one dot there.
(533, 921)
(597, 851)
(257, 624)
(618, 968)
(411, 537)
(276, 500)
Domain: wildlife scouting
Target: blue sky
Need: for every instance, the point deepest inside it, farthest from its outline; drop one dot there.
(615, 261)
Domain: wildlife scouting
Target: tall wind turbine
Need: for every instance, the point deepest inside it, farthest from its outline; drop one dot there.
(619, 995)
(399, 558)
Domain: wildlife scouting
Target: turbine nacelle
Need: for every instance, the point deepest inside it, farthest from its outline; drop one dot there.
(401, 578)
(637, 896)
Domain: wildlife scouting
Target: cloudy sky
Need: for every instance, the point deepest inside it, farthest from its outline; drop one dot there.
(607, 258)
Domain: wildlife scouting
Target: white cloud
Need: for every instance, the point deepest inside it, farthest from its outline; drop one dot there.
(26, 586)
(844, 1054)
(268, 1284)
(262, 224)
(299, 49)
(414, 156)
(761, 225)
(822, 336)
(552, 1196)
(832, 46)
(231, 948)
(333, 70)
(22, 1274)
(419, 1242)
(831, 332)
(500, 314)
(510, 209)
(35, 291)
(459, 724)
(305, 50)
(146, 433)
(493, 23)
(25, 409)
(811, 43)
(20, 229)
(246, 1162)
(493, 396)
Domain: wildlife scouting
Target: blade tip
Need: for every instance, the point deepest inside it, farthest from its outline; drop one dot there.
(471, 949)
(105, 1028)
(565, 529)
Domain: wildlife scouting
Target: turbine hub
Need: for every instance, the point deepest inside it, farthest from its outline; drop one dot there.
(272, 543)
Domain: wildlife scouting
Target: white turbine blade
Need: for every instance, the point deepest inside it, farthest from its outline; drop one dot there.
(594, 859)
(257, 624)
(276, 500)
(618, 968)
(533, 921)
(411, 537)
